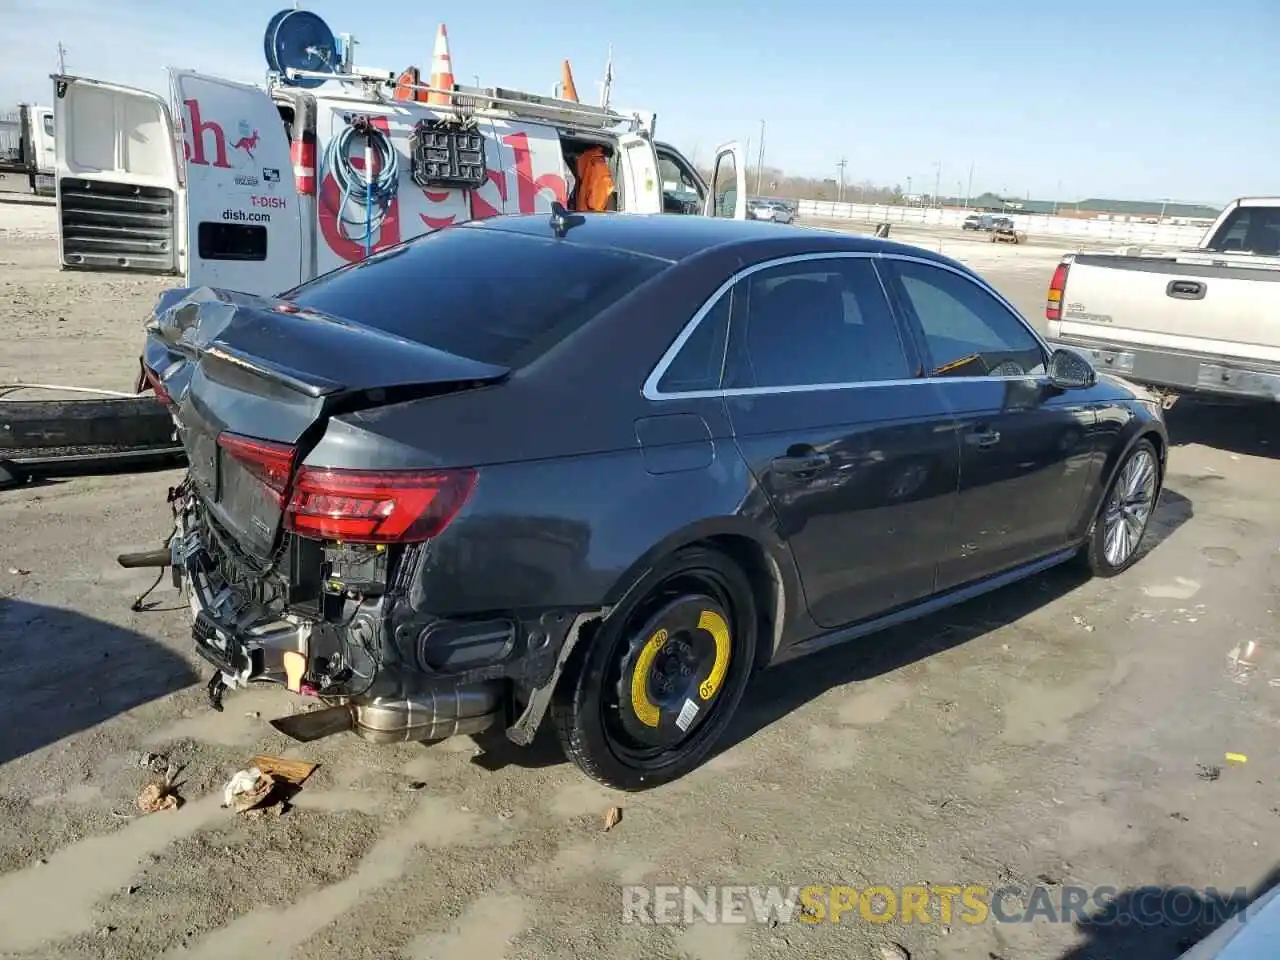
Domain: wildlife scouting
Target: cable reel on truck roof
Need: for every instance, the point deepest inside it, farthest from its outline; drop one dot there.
(300, 40)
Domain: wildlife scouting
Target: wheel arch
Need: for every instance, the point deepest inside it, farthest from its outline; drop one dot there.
(763, 557)
(1137, 431)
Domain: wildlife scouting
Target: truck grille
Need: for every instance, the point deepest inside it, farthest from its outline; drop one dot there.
(117, 225)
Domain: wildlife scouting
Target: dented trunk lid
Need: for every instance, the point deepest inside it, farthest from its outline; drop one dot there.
(268, 369)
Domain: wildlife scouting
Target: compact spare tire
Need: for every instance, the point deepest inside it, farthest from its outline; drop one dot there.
(659, 682)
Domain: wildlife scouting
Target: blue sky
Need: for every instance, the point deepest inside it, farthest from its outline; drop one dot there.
(1084, 98)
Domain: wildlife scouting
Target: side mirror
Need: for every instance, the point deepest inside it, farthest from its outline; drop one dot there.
(1070, 371)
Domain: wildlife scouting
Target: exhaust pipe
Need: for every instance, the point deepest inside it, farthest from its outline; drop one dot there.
(160, 557)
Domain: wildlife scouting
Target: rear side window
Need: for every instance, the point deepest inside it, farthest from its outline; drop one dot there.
(700, 361)
(484, 294)
(813, 323)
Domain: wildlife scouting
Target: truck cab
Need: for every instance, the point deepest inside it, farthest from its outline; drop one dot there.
(257, 189)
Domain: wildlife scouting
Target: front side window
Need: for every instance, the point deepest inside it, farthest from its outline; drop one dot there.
(681, 191)
(968, 332)
(811, 323)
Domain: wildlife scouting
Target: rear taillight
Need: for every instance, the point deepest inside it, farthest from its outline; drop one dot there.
(376, 506)
(302, 154)
(153, 381)
(1053, 302)
(271, 463)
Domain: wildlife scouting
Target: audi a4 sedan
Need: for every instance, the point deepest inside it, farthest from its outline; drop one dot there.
(596, 471)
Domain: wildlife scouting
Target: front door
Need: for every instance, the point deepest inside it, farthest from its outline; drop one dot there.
(728, 195)
(853, 449)
(1025, 446)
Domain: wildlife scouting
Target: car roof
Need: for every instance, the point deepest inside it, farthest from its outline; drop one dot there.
(676, 237)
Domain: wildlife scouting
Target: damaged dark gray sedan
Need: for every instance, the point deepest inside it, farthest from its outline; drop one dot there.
(597, 471)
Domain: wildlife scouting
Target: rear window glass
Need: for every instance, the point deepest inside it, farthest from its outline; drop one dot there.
(1249, 230)
(491, 296)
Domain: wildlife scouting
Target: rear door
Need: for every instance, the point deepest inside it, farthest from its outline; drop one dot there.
(244, 227)
(120, 203)
(641, 182)
(728, 195)
(855, 452)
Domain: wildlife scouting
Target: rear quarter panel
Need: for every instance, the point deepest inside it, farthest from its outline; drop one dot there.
(583, 481)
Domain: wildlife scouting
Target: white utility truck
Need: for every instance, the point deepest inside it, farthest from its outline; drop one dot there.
(27, 147)
(1199, 321)
(257, 189)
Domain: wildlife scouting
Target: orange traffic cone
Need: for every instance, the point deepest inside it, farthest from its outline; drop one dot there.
(567, 90)
(441, 69)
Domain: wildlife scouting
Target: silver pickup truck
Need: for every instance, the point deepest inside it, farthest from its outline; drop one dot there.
(1201, 321)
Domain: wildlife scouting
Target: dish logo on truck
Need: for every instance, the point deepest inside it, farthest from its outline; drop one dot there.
(201, 130)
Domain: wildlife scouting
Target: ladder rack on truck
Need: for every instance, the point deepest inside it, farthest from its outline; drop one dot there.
(259, 188)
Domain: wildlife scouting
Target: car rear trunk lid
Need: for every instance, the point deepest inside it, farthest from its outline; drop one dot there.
(264, 375)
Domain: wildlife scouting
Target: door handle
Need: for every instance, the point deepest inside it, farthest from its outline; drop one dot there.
(983, 438)
(1185, 290)
(806, 463)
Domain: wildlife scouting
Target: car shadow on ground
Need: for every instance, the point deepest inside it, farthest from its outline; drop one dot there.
(1248, 429)
(1162, 923)
(65, 672)
(789, 686)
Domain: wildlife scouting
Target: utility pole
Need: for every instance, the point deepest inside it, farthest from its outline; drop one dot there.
(937, 180)
(968, 194)
(62, 58)
(760, 160)
(840, 166)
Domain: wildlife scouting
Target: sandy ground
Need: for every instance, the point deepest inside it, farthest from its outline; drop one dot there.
(1058, 733)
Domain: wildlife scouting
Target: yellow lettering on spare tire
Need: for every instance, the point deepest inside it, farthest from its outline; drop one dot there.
(646, 710)
(714, 624)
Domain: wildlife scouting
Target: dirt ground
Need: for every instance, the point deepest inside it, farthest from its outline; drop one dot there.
(1059, 732)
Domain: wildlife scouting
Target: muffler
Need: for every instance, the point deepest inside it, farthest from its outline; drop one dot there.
(435, 713)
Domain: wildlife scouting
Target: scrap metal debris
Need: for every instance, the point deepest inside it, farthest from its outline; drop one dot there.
(612, 817)
(1209, 774)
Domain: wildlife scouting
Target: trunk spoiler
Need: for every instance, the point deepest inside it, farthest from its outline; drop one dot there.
(321, 357)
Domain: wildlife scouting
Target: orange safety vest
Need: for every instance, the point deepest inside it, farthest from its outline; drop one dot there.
(595, 183)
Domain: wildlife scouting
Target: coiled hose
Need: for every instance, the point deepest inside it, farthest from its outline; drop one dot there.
(374, 195)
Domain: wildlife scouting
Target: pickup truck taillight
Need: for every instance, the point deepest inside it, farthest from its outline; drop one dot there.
(1053, 302)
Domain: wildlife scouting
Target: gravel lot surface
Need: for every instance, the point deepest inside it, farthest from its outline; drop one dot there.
(1059, 732)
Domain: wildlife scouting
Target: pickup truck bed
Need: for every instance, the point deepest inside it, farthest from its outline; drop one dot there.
(1203, 321)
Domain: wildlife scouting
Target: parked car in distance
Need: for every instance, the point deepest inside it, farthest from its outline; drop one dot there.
(663, 454)
(986, 222)
(764, 208)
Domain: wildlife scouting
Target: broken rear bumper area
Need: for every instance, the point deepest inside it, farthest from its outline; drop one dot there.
(319, 622)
